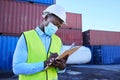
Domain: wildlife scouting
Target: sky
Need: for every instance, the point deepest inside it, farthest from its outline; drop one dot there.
(96, 14)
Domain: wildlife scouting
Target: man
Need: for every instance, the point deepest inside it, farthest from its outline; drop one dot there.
(36, 51)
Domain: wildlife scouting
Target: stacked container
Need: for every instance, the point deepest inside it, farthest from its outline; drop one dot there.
(7, 47)
(45, 2)
(105, 46)
(97, 37)
(72, 31)
(16, 17)
(105, 54)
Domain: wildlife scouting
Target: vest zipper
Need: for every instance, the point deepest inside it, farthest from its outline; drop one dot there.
(46, 75)
(47, 57)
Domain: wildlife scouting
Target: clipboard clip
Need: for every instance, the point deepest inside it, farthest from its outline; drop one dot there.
(72, 45)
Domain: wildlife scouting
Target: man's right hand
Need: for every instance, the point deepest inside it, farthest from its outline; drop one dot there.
(50, 60)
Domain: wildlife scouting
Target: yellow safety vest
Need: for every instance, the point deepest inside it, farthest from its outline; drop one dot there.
(37, 53)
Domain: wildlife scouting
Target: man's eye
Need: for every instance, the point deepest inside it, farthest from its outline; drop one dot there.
(55, 24)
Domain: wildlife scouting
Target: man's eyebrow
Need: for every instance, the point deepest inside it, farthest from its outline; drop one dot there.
(58, 19)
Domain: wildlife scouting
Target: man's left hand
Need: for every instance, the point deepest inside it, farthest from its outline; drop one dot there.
(60, 63)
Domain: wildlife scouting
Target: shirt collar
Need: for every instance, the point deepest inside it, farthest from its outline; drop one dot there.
(39, 31)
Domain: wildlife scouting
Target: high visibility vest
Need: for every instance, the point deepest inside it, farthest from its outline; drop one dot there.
(37, 53)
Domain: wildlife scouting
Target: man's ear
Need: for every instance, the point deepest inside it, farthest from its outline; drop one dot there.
(46, 17)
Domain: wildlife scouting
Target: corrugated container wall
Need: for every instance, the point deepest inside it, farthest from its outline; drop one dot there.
(97, 37)
(7, 47)
(16, 17)
(68, 36)
(105, 54)
(73, 21)
(45, 2)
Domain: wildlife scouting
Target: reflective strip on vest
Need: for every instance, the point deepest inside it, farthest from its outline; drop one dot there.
(37, 53)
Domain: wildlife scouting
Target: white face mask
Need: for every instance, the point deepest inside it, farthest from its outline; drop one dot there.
(50, 29)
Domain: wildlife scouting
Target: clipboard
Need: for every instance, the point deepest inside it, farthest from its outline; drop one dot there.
(68, 52)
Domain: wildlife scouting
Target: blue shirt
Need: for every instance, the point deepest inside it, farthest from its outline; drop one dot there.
(20, 55)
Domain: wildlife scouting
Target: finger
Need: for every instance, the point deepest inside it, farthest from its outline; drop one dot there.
(66, 57)
(49, 64)
(51, 60)
(58, 62)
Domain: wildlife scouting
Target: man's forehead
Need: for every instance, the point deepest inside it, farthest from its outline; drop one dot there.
(56, 18)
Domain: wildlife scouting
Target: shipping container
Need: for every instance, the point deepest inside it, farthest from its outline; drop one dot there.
(105, 54)
(73, 20)
(7, 47)
(16, 17)
(0, 50)
(68, 36)
(99, 37)
(44, 2)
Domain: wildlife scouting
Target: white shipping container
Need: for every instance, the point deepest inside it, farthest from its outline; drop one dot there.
(81, 56)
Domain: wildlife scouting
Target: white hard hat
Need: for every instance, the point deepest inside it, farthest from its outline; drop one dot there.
(57, 10)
